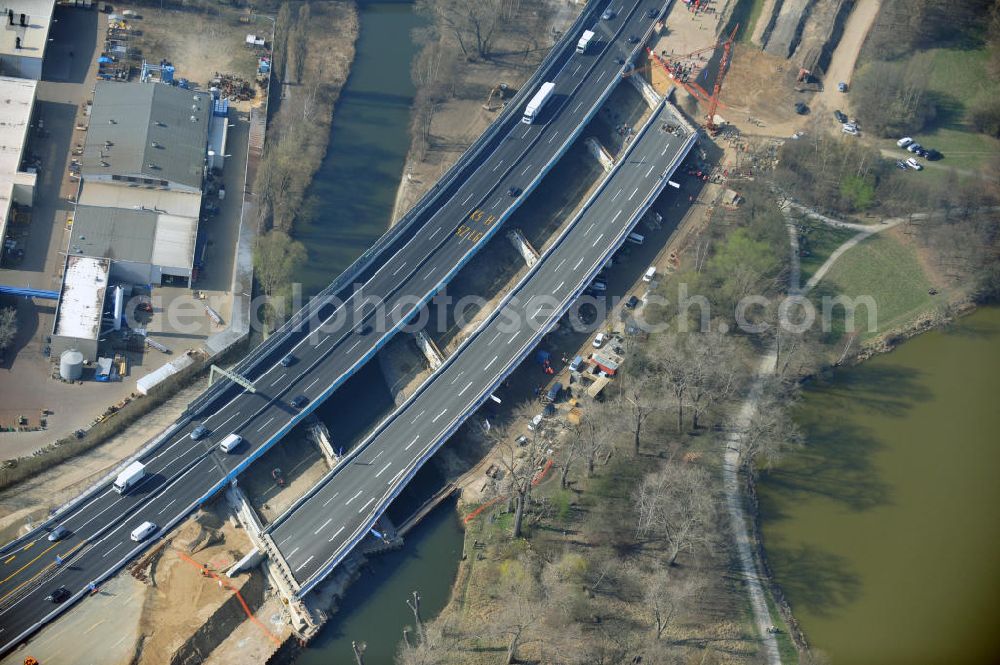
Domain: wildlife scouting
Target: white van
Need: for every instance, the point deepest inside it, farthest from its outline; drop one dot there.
(905, 141)
(636, 238)
(650, 274)
(143, 531)
(231, 443)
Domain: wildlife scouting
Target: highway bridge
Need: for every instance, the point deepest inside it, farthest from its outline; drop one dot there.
(407, 267)
(322, 527)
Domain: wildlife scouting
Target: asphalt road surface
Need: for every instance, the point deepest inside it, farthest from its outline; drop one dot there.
(183, 472)
(317, 532)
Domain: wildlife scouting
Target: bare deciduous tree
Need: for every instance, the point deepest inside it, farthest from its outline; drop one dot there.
(675, 504)
(637, 399)
(474, 25)
(769, 432)
(664, 594)
(520, 464)
(595, 431)
(8, 326)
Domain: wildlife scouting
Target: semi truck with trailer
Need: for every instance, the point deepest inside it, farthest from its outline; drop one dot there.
(537, 103)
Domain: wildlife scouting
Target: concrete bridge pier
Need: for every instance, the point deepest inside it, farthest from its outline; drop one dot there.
(646, 89)
(524, 247)
(430, 350)
(602, 155)
(303, 621)
(317, 432)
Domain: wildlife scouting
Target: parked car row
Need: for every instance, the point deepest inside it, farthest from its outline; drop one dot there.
(910, 145)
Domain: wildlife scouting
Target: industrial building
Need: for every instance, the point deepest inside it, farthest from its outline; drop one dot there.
(24, 36)
(17, 187)
(147, 135)
(81, 306)
(145, 246)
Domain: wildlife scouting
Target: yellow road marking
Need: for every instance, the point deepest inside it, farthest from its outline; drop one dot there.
(13, 556)
(29, 546)
(27, 564)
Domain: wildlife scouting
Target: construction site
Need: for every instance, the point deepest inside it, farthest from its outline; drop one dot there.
(202, 595)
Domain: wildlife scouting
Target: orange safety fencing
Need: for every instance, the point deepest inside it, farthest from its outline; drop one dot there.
(225, 585)
(534, 481)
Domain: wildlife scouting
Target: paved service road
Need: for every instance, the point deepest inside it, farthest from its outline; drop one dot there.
(184, 472)
(317, 532)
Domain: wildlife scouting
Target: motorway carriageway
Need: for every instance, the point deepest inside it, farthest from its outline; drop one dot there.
(183, 473)
(315, 534)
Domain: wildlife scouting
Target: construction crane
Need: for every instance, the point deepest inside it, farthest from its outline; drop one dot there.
(696, 91)
(713, 106)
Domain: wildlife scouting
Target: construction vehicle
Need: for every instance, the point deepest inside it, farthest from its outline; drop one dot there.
(500, 91)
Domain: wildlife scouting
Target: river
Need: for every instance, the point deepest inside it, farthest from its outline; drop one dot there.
(348, 206)
(883, 529)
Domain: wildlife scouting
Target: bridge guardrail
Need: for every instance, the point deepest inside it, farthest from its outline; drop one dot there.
(405, 224)
(316, 578)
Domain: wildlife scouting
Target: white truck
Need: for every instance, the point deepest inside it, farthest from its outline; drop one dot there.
(581, 46)
(132, 474)
(537, 103)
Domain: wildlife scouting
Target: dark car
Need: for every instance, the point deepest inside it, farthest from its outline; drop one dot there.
(801, 108)
(652, 12)
(288, 360)
(900, 164)
(632, 39)
(840, 116)
(58, 533)
(632, 302)
(363, 329)
(199, 432)
(933, 155)
(58, 595)
(513, 192)
(300, 401)
(608, 14)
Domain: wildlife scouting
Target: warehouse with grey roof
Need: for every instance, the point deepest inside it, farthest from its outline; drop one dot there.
(147, 135)
(144, 245)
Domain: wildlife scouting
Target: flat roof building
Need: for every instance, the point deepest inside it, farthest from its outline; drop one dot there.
(81, 306)
(143, 245)
(148, 135)
(24, 33)
(17, 101)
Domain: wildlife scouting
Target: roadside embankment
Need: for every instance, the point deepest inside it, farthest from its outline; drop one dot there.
(314, 52)
(460, 90)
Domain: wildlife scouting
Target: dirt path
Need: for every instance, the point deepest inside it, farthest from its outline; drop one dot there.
(845, 56)
(752, 575)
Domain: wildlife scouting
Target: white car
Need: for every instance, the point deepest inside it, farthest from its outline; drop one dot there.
(599, 340)
(914, 164)
(905, 141)
(848, 128)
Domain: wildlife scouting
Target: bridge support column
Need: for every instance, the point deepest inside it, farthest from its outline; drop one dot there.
(277, 568)
(317, 432)
(433, 354)
(522, 245)
(602, 155)
(645, 88)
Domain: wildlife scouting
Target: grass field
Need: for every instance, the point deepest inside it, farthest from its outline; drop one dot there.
(888, 271)
(958, 78)
(819, 241)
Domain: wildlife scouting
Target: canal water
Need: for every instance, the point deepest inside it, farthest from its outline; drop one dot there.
(883, 531)
(349, 203)
(348, 206)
